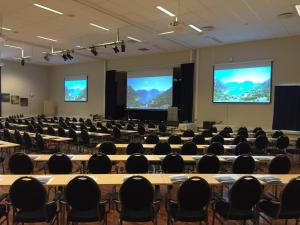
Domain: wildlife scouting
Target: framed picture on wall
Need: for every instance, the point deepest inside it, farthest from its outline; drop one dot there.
(5, 97)
(15, 100)
(23, 102)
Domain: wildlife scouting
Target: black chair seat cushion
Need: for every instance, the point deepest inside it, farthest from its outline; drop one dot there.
(223, 207)
(137, 215)
(37, 215)
(271, 209)
(185, 215)
(87, 216)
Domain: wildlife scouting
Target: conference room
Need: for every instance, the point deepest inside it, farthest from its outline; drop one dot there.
(150, 112)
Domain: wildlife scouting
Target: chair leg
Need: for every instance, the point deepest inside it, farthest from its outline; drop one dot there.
(297, 221)
(213, 219)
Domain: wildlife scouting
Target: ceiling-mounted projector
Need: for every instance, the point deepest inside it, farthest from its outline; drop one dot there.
(177, 26)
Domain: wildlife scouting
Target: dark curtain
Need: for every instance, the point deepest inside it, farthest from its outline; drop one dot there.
(286, 115)
(110, 94)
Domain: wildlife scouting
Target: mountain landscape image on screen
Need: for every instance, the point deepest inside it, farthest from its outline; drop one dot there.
(76, 90)
(144, 94)
(238, 87)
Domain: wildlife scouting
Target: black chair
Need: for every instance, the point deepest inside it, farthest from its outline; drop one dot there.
(286, 207)
(162, 128)
(152, 139)
(280, 164)
(51, 131)
(259, 133)
(28, 145)
(99, 163)
(172, 163)
(108, 148)
(130, 127)
(243, 164)
(99, 124)
(216, 148)
(83, 127)
(208, 163)
(73, 126)
(141, 130)
(60, 163)
(136, 163)
(39, 129)
(207, 133)
(75, 139)
(20, 163)
(192, 202)
(243, 129)
(104, 130)
(238, 139)
(162, 148)
(18, 138)
(89, 122)
(31, 128)
(189, 148)
(84, 204)
(135, 147)
(296, 150)
(277, 134)
(109, 125)
(7, 136)
(174, 139)
(241, 203)
(217, 138)
(81, 120)
(242, 148)
(260, 144)
(93, 128)
(213, 129)
(198, 140)
(282, 143)
(42, 148)
(243, 133)
(151, 125)
(61, 132)
(74, 120)
(86, 141)
(256, 129)
(27, 190)
(225, 133)
(188, 133)
(228, 129)
(116, 134)
(136, 202)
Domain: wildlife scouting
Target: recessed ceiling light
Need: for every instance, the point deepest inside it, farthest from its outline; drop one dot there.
(165, 11)
(13, 46)
(5, 28)
(195, 28)
(46, 8)
(78, 46)
(95, 25)
(168, 32)
(134, 39)
(298, 9)
(45, 38)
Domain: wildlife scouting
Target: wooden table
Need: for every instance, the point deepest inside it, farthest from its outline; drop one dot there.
(5, 144)
(118, 179)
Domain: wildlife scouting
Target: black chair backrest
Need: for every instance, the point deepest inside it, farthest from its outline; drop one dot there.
(152, 139)
(162, 148)
(217, 138)
(239, 195)
(207, 133)
(194, 194)
(225, 133)
(209, 163)
(198, 139)
(289, 196)
(93, 128)
(7, 136)
(298, 143)
(20, 163)
(162, 128)
(39, 129)
(141, 130)
(39, 142)
(188, 133)
(136, 163)
(172, 163)
(104, 130)
(280, 164)
(18, 137)
(61, 132)
(228, 129)
(243, 164)
(151, 125)
(108, 148)
(282, 142)
(60, 163)
(135, 147)
(216, 148)
(99, 163)
(27, 190)
(73, 126)
(277, 134)
(213, 129)
(81, 120)
(83, 193)
(73, 135)
(31, 129)
(260, 133)
(51, 131)
(83, 127)
(74, 119)
(130, 127)
(256, 129)
(261, 142)
(189, 148)
(243, 129)
(89, 122)
(242, 148)
(27, 140)
(174, 139)
(99, 124)
(136, 193)
(109, 125)
(238, 139)
(116, 133)
(85, 136)
(243, 133)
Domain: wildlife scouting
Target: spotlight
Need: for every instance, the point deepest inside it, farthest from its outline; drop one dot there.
(69, 55)
(23, 62)
(64, 56)
(116, 49)
(46, 57)
(94, 51)
(123, 47)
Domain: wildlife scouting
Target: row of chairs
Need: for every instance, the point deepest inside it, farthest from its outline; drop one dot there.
(136, 202)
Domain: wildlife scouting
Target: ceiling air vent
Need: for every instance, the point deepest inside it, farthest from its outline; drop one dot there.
(144, 49)
(286, 15)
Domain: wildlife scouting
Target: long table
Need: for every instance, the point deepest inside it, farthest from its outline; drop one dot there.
(5, 144)
(118, 179)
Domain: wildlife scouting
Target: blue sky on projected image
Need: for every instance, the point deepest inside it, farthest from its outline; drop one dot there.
(75, 90)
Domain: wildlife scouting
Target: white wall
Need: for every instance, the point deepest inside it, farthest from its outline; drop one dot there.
(286, 70)
(96, 89)
(30, 81)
